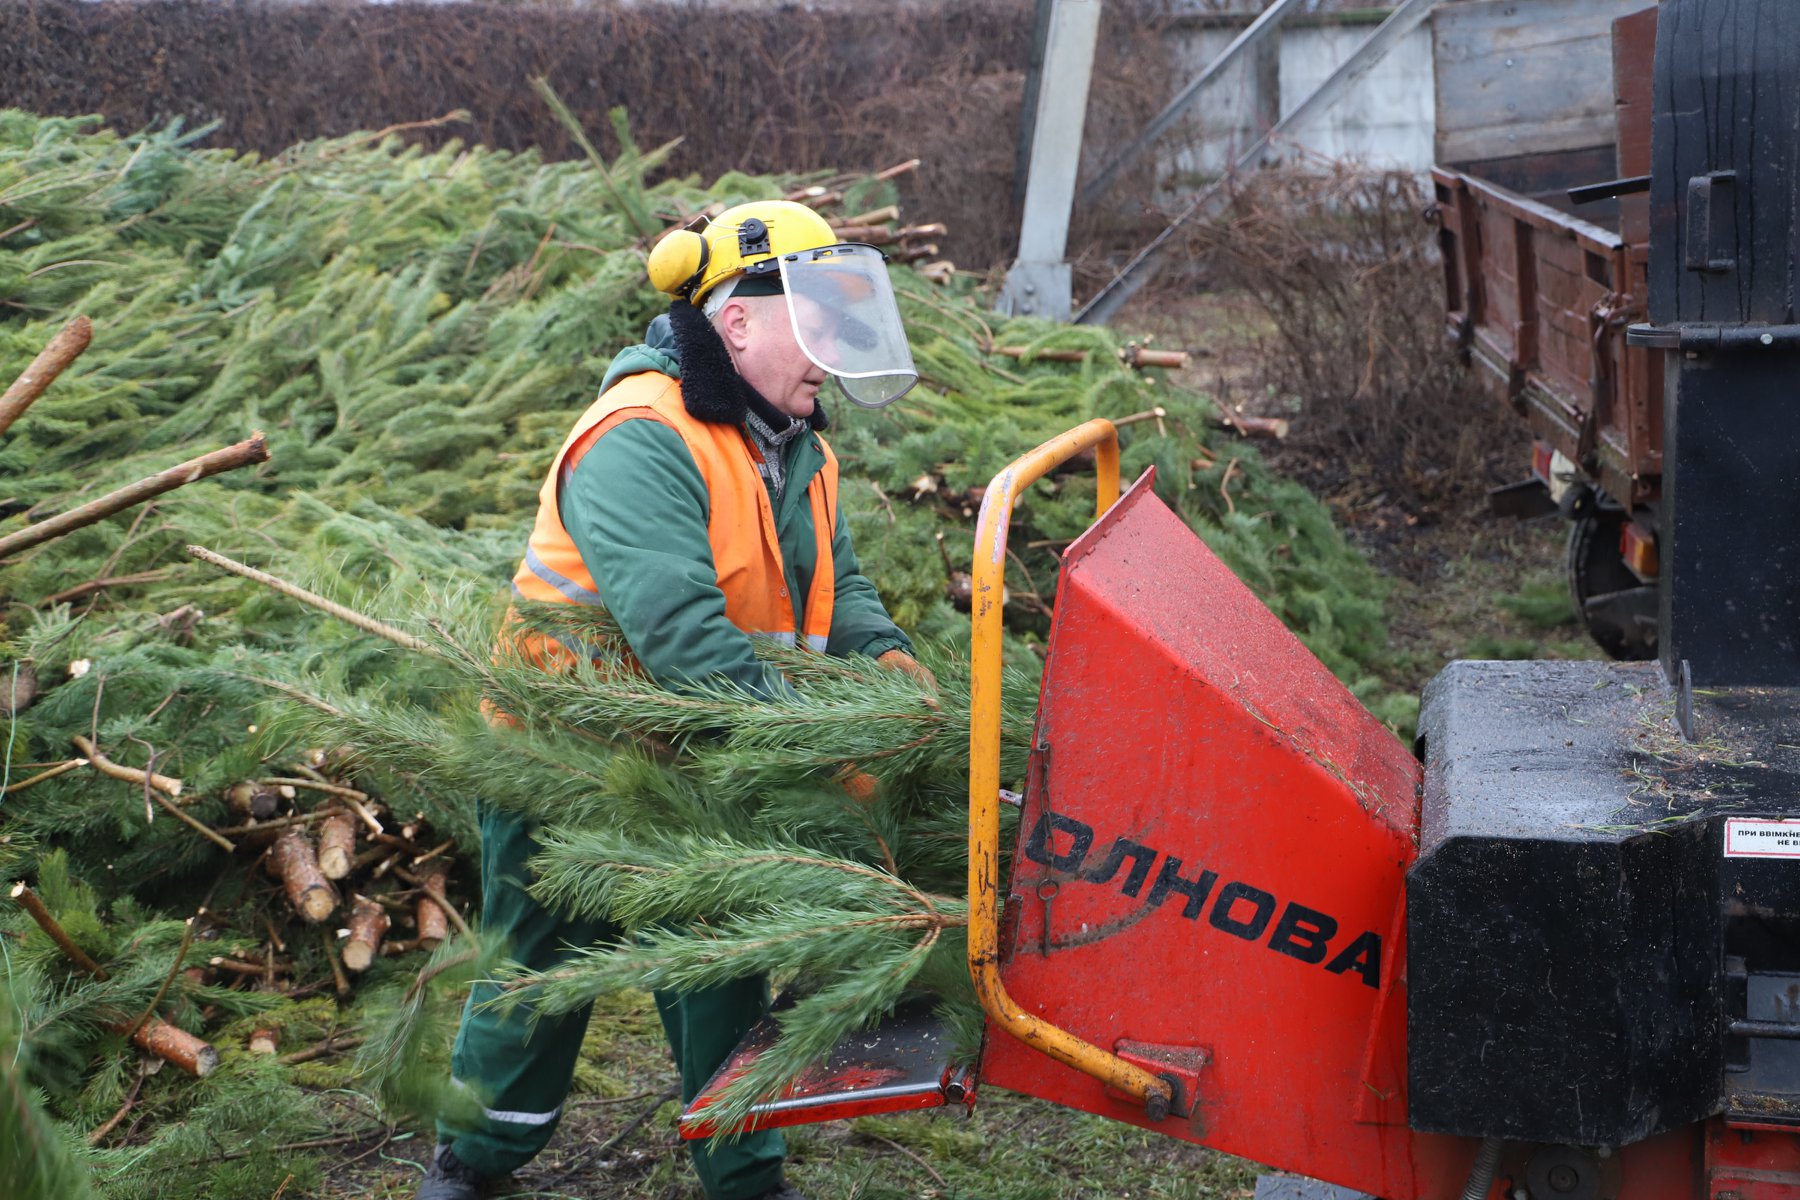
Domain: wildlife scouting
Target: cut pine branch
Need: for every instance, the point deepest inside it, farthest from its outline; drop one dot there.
(155, 786)
(59, 769)
(176, 1046)
(350, 615)
(337, 845)
(1131, 356)
(252, 800)
(433, 881)
(355, 801)
(100, 585)
(163, 783)
(368, 925)
(874, 235)
(434, 910)
(875, 216)
(246, 453)
(63, 349)
(1248, 426)
(898, 169)
(156, 1036)
(28, 900)
(325, 1049)
(293, 862)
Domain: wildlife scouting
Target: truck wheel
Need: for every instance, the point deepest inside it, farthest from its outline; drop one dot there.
(1617, 609)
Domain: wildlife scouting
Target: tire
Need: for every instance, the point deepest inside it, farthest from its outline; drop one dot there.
(1618, 610)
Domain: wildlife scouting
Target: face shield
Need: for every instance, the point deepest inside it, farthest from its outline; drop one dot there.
(845, 318)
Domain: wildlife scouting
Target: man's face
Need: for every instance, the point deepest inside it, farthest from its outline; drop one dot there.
(761, 339)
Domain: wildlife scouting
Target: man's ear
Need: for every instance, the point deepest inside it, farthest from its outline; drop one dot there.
(733, 324)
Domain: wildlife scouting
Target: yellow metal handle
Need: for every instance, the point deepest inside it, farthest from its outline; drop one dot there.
(984, 762)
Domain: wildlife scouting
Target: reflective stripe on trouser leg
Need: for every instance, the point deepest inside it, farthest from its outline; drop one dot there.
(704, 1028)
(518, 1071)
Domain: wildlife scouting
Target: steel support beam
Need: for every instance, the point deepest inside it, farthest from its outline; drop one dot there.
(1148, 261)
(1252, 37)
(1039, 283)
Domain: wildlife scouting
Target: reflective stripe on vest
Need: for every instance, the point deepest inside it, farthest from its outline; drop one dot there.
(740, 525)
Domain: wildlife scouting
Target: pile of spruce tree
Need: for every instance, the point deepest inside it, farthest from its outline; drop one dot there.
(237, 818)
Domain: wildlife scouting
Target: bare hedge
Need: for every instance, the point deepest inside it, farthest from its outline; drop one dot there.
(752, 89)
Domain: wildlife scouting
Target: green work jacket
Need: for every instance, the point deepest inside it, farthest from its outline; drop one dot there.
(636, 508)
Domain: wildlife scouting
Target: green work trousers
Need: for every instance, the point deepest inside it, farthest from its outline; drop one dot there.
(519, 1069)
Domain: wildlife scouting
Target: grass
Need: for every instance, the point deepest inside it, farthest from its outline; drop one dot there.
(1009, 1147)
(1542, 605)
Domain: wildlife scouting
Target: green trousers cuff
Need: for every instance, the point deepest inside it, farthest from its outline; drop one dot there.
(519, 1064)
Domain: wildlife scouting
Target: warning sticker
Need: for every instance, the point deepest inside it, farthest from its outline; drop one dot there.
(1752, 837)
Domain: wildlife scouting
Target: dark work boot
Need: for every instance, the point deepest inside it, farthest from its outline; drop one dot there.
(450, 1178)
(782, 1191)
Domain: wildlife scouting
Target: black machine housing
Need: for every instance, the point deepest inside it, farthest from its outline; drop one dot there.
(1586, 963)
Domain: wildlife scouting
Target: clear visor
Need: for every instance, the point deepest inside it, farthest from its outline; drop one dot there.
(847, 322)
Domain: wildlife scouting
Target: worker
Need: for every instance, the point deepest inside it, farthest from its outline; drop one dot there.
(697, 502)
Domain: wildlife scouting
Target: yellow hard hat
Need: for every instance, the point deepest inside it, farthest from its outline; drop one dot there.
(746, 240)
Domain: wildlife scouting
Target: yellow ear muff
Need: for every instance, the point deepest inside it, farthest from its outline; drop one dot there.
(676, 262)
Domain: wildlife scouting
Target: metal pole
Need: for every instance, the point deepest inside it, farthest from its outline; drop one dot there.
(1034, 81)
(1039, 282)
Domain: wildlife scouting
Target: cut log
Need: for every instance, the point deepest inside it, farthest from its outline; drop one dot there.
(294, 863)
(337, 845)
(266, 1040)
(434, 923)
(898, 169)
(940, 272)
(253, 800)
(1138, 356)
(875, 216)
(874, 235)
(18, 688)
(368, 925)
(1249, 426)
(176, 1046)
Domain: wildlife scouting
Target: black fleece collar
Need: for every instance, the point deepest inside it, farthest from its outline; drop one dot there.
(711, 388)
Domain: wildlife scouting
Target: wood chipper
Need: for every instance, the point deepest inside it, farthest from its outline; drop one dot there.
(1555, 955)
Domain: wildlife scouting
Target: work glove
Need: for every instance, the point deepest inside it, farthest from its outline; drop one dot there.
(900, 660)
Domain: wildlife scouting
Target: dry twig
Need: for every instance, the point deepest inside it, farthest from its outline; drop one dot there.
(28, 900)
(245, 453)
(331, 607)
(63, 349)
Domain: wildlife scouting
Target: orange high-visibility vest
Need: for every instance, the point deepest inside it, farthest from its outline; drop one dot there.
(740, 522)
